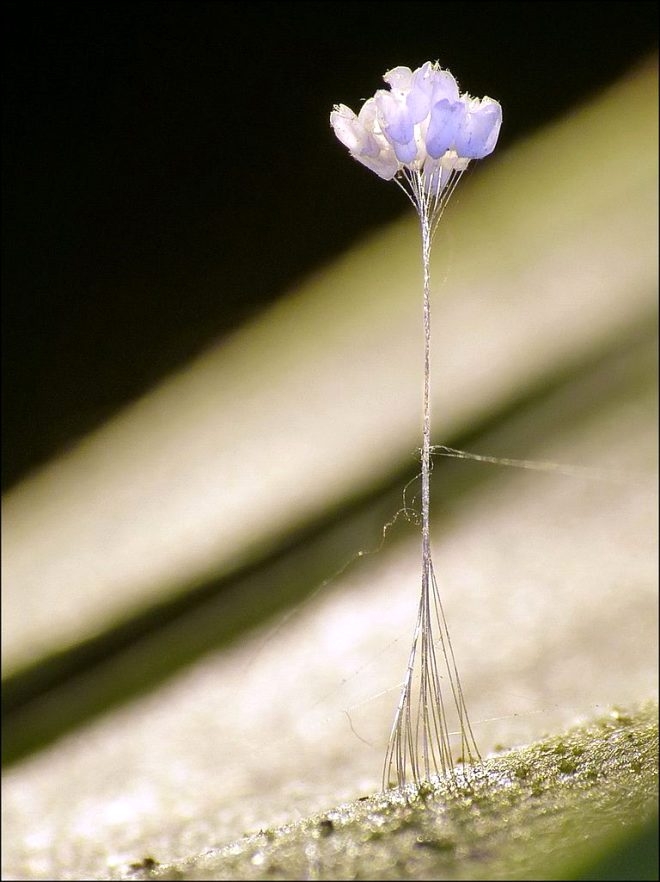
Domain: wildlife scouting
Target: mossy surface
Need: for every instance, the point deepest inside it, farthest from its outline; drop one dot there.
(545, 811)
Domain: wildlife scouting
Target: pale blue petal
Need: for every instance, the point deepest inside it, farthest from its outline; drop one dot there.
(430, 85)
(479, 130)
(352, 133)
(405, 152)
(418, 102)
(394, 118)
(385, 165)
(398, 77)
(444, 124)
(444, 86)
(423, 74)
(421, 90)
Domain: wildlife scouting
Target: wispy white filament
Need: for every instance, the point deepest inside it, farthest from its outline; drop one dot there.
(587, 473)
(419, 745)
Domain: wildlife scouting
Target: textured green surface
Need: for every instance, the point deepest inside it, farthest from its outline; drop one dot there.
(539, 812)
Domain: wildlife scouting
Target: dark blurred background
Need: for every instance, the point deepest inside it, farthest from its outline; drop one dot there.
(168, 167)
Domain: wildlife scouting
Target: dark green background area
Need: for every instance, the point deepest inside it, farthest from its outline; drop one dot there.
(168, 167)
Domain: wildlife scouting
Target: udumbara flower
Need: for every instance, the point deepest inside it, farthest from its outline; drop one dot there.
(422, 133)
(422, 128)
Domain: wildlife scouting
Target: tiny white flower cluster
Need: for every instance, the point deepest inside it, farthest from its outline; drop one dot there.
(422, 125)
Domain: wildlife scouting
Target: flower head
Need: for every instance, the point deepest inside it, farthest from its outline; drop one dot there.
(421, 130)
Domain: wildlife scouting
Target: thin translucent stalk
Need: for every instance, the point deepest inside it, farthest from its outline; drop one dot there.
(419, 746)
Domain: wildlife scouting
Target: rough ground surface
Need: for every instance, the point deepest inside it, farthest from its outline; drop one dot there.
(531, 813)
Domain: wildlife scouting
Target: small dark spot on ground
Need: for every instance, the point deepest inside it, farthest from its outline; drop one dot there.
(147, 863)
(442, 845)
